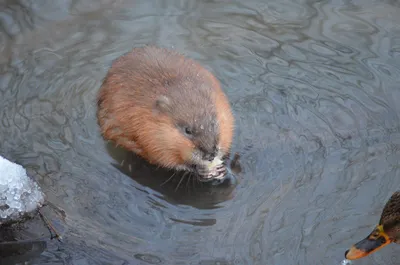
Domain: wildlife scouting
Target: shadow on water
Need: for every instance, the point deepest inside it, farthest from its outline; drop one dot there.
(15, 252)
(314, 86)
(176, 188)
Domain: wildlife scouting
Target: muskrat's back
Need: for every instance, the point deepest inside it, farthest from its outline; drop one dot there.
(149, 92)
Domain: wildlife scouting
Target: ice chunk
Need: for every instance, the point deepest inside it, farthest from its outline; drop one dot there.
(19, 194)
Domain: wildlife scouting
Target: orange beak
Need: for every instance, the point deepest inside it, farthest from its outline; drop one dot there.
(373, 242)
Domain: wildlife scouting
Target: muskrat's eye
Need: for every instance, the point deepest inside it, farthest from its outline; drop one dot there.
(188, 131)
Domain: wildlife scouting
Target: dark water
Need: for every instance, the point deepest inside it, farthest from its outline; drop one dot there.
(314, 86)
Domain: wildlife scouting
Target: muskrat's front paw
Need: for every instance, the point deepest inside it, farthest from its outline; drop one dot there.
(218, 172)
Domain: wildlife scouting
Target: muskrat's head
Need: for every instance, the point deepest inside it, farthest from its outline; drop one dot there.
(192, 115)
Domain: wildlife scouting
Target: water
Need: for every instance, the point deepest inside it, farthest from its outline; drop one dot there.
(314, 86)
(346, 262)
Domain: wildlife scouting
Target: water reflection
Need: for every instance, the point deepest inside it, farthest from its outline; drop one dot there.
(173, 187)
(314, 88)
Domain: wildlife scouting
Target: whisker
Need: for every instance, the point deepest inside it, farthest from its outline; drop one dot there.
(168, 179)
(194, 178)
(184, 175)
(188, 179)
(191, 178)
(198, 181)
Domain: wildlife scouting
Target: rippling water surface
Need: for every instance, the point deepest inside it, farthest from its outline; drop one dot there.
(315, 88)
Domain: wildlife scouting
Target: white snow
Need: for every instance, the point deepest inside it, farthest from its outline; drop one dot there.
(19, 194)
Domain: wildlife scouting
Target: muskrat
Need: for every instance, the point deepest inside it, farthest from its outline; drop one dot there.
(169, 110)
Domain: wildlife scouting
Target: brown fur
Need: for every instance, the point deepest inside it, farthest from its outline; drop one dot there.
(126, 100)
(224, 115)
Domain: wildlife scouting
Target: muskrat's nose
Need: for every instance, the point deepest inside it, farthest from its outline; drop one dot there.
(209, 156)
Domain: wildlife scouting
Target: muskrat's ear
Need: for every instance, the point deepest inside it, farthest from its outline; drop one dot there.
(162, 104)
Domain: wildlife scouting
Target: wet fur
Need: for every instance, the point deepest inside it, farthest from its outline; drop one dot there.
(131, 114)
